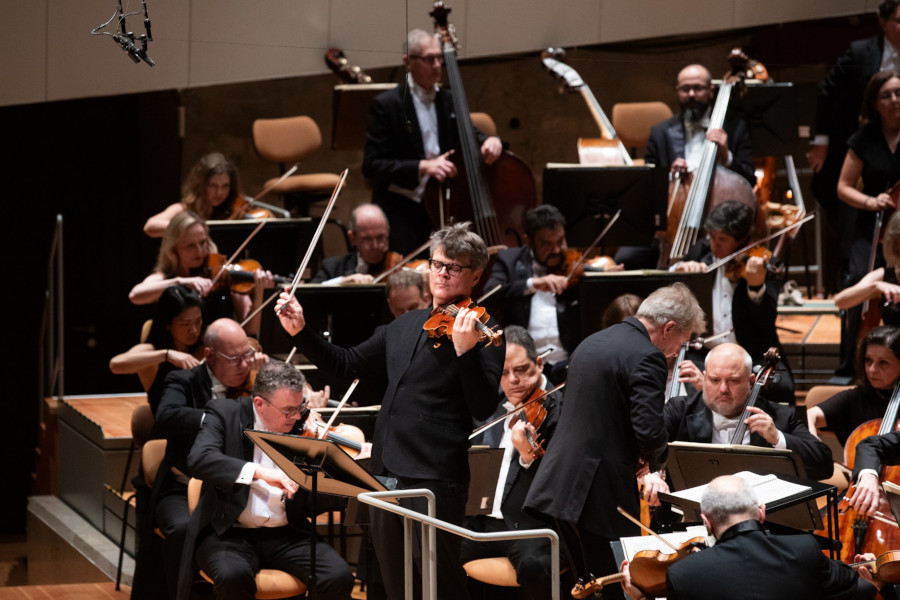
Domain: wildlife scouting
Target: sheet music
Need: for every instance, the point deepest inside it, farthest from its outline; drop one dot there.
(768, 488)
(633, 545)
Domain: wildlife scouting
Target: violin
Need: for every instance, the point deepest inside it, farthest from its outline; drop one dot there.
(242, 208)
(886, 567)
(246, 388)
(648, 570)
(737, 268)
(575, 265)
(348, 438)
(441, 323)
(534, 412)
(238, 276)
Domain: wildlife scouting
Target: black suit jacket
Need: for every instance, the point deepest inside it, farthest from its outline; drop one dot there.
(511, 304)
(336, 266)
(519, 479)
(749, 563)
(754, 322)
(184, 397)
(876, 451)
(666, 143)
(688, 419)
(432, 395)
(613, 417)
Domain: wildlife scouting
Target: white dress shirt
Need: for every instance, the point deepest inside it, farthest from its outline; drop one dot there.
(426, 112)
(265, 506)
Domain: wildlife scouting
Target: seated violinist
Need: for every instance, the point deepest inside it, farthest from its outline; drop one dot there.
(173, 342)
(712, 417)
(212, 191)
(520, 380)
(534, 292)
(881, 286)
(744, 303)
(368, 234)
(744, 549)
(405, 291)
(183, 260)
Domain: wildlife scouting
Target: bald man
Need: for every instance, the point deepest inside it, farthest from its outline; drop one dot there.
(368, 234)
(676, 145)
(713, 415)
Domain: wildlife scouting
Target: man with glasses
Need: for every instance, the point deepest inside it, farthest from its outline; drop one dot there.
(435, 388)
(368, 234)
(251, 515)
(227, 364)
(676, 145)
(411, 134)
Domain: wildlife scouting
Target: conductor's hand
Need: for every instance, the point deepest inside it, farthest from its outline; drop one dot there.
(276, 478)
(867, 496)
(439, 167)
(550, 283)
(760, 422)
(653, 485)
(292, 316)
(491, 149)
(465, 336)
(721, 140)
(690, 266)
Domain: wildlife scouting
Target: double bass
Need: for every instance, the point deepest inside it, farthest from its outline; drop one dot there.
(498, 196)
(711, 183)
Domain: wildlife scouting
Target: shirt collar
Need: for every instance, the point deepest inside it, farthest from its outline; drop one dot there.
(425, 96)
(218, 388)
(720, 422)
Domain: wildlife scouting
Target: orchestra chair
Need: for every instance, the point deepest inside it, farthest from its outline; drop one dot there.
(286, 141)
(633, 120)
(496, 570)
(841, 475)
(484, 122)
(270, 583)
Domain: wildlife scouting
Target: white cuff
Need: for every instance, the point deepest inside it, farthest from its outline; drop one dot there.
(246, 475)
(781, 444)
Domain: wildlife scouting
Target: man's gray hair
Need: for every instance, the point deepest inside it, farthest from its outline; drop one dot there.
(720, 502)
(458, 243)
(413, 44)
(674, 303)
(278, 375)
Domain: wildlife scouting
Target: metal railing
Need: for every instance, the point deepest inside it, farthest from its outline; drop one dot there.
(429, 523)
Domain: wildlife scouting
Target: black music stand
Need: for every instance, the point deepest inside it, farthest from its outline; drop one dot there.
(316, 465)
(278, 246)
(589, 196)
(349, 115)
(771, 112)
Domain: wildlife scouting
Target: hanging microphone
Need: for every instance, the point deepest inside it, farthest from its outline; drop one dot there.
(127, 46)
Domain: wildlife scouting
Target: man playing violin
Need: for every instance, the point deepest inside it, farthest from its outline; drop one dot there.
(406, 290)
(368, 234)
(228, 361)
(435, 388)
(745, 304)
(732, 512)
(711, 417)
(410, 136)
(613, 429)
(534, 291)
(520, 381)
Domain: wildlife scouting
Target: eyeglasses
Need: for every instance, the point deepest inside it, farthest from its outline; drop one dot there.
(289, 413)
(895, 93)
(428, 57)
(688, 88)
(246, 356)
(453, 269)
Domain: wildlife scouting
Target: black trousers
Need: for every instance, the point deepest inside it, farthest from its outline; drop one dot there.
(590, 555)
(530, 558)
(233, 559)
(388, 540)
(409, 221)
(172, 517)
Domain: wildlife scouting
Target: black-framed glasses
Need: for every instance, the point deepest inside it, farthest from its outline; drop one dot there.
(246, 356)
(290, 413)
(428, 58)
(453, 269)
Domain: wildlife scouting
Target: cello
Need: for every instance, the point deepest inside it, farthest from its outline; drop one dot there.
(498, 196)
(710, 183)
(861, 534)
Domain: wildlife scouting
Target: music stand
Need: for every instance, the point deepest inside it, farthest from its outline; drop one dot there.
(349, 115)
(278, 246)
(315, 465)
(771, 112)
(691, 465)
(589, 196)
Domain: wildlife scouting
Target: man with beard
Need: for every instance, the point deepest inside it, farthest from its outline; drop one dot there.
(534, 292)
(677, 145)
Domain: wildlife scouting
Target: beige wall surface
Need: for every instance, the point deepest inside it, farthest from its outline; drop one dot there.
(49, 53)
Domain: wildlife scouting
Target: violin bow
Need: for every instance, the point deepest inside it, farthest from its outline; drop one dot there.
(402, 262)
(768, 238)
(268, 189)
(309, 251)
(240, 249)
(593, 245)
(499, 419)
(489, 293)
(646, 529)
(316, 236)
(338, 408)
